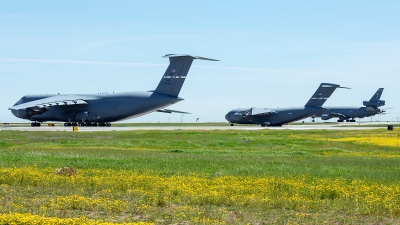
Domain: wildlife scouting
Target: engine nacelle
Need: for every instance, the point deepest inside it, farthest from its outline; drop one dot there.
(374, 103)
(326, 117)
(37, 111)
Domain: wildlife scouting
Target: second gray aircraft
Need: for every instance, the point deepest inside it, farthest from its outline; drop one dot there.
(280, 116)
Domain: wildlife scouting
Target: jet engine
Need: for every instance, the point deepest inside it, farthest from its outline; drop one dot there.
(33, 111)
(326, 117)
(374, 104)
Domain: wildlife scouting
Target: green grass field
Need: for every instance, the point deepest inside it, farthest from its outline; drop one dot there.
(204, 177)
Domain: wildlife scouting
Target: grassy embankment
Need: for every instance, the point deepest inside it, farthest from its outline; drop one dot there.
(203, 177)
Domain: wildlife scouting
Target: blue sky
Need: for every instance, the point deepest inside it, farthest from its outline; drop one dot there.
(273, 53)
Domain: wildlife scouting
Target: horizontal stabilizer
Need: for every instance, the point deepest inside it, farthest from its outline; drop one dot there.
(375, 101)
(188, 56)
(374, 104)
(171, 111)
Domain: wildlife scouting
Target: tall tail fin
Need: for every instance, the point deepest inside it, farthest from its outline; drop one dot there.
(172, 81)
(323, 92)
(377, 95)
(375, 101)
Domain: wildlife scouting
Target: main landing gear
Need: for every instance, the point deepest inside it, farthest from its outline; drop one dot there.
(35, 124)
(86, 124)
(278, 125)
(70, 124)
(347, 120)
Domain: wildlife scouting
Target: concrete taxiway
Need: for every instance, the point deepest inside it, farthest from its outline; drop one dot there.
(319, 126)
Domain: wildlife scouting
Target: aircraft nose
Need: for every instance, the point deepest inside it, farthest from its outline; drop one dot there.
(14, 112)
(228, 117)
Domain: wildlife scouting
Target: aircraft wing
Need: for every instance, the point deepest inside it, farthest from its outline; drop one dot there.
(54, 100)
(337, 114)
(261, 111)
(171, 111)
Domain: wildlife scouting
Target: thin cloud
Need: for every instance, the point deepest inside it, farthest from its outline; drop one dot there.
(244, 68)
(106, 42)
(79, 62)
(12, 16)
(101, 43)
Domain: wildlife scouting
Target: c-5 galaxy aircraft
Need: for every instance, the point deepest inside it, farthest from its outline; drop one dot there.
(349, 113)
(101, 109)
(277, 117)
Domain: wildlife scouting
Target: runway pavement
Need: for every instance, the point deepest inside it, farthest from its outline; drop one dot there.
(319, 126)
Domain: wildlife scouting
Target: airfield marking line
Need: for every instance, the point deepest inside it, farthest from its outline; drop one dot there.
(285, 127)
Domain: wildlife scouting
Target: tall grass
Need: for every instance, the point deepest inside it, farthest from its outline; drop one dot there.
(264, 176)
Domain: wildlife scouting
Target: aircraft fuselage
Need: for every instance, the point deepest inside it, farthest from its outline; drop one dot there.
(279, 116)
(350, 112)
(100, 107)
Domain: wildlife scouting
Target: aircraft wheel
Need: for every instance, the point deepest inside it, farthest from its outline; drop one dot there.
(313, 121)
(231, 124)
(108, 124)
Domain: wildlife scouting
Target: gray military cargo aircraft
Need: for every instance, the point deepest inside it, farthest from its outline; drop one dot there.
(101, 109)
(349, 114)
(280, 116)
